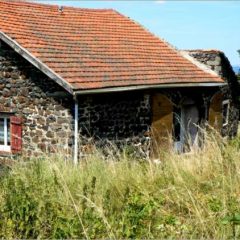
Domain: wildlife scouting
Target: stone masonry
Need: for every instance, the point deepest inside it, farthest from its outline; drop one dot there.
(121, 119)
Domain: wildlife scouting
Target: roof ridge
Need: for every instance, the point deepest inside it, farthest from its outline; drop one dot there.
(33, 3)
(203, 50)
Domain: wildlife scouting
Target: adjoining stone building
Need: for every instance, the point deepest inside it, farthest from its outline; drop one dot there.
(218, 62)
(75, 77)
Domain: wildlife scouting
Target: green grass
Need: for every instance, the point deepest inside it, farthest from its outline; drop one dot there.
(193, 195)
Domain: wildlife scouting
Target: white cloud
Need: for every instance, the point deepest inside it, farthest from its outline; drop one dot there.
(160, 1)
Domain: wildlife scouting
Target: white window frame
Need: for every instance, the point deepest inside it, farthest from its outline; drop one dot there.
(226, 102)
(5, 147)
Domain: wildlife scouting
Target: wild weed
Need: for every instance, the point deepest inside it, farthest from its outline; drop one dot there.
(192, 195)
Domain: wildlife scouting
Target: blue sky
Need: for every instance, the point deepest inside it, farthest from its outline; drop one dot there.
(184, 24)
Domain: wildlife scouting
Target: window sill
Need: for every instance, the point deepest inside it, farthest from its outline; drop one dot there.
(4, 148)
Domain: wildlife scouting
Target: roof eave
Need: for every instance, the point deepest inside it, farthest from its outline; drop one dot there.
(147, 87)
(36, 62)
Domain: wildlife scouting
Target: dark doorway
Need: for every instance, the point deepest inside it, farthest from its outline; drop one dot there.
(186, 120)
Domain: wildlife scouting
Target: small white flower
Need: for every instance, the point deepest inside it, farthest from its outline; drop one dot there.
(157, 161)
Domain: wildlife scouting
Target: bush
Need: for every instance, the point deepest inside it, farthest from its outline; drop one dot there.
(194, 195)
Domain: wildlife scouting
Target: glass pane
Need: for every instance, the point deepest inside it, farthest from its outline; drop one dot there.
(8, 132)
(1, 131)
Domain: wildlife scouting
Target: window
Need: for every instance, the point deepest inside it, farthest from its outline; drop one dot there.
(10, 133)
(225, 111)
(5, 134)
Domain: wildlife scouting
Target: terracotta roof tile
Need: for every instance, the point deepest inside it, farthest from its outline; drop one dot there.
(96, 48)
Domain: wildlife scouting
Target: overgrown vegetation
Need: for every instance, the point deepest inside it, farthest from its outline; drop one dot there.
(193, 195)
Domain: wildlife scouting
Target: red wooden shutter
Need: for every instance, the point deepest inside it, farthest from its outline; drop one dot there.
(16, 134)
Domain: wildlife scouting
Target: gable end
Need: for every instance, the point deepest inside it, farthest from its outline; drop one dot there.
(36, 62)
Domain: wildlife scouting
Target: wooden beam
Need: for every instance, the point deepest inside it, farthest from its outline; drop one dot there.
(147, 87)
(60, 94)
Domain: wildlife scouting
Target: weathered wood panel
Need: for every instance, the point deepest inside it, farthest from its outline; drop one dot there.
(215, 112)
(162, 123)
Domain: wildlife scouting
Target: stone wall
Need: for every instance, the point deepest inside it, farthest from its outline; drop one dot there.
(218, 62)
(122, 119)
(46, 109)
(125, 119)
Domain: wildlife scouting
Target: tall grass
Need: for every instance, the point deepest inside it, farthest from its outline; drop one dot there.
(194, 195)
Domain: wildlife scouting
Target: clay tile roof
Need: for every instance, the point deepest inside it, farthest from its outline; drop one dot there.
(93, 49)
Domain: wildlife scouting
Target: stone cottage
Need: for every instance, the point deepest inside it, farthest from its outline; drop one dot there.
(72, 77)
